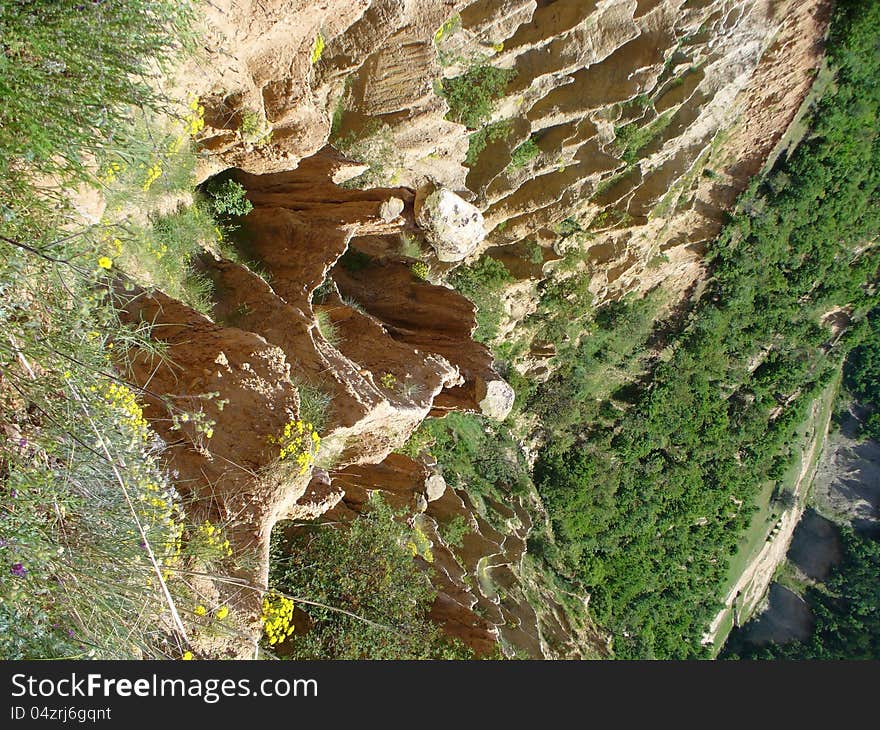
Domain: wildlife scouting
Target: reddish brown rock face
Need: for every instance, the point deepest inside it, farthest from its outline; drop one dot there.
(646, 120)
(382, 364)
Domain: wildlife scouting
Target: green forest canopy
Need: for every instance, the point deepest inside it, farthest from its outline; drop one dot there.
(647, 511)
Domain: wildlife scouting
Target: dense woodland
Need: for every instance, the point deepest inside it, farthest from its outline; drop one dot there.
(862, 376)
(846, 608)
(647, 509)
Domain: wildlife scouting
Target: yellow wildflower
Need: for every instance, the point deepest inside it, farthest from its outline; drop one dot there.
(317, 48)
(105, 262)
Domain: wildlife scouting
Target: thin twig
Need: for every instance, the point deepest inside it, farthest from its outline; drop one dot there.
(41, 254)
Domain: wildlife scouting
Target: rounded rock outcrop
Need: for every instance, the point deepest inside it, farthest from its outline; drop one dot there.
(495, 398)
(452, 226)
(435, 487)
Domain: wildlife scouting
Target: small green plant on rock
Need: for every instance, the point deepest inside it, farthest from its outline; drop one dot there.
(229, 198)
(472, 95)
(314, 403)
(479, 140)
(525, 153)
(454, 531)
(372, 146)
(482, 282)
(409, 247)
(410, 389)
(420, 270)
(632, 139)
(327, 327)
(254, 129)
(535, 253)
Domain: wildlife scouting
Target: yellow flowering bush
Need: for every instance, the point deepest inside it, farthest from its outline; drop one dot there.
(158, 505)
(112, 173)
(195, 120)
(120, 398)
(161, 516)
(448, 28)
(154, 172)
(210, 541)
(318, 48)
(388, 381)
(277, 618)
(419, 544)
(421, 271)
(193, 123)
(156, 248)
(299, 443)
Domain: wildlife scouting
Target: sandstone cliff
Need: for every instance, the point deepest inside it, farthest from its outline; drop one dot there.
(646, 118)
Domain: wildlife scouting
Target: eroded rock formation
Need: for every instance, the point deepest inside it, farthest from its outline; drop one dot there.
(645, 118)
(383, 347)
(649, 117)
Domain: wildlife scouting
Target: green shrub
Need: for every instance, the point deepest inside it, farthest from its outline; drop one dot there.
(454, 531)
(373, 146)
(535, 253)
(479, 140)
(525, 153)
(367, 569)
(472, 95)
(229, 198)
(631, 138)
(568, 227)
(325, 289)
(482, 282)
(73, 78)
(354, 260)
(475, 454)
